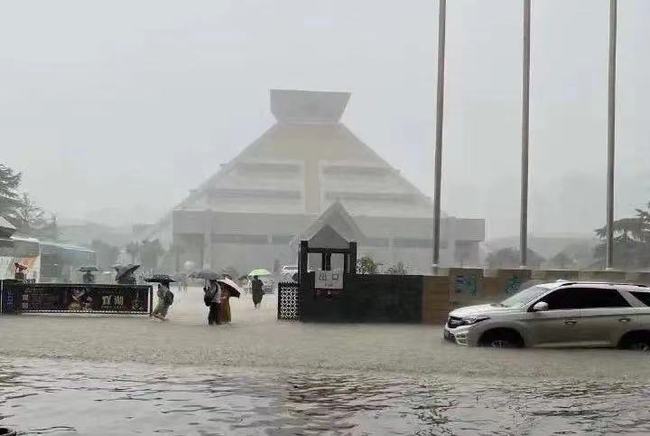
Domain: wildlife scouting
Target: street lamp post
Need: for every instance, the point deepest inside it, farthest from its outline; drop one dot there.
(611, 133)
(440, 96)
(525, 122)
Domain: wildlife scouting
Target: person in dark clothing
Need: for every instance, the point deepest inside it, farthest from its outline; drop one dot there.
(212, 299)
(88, 278)
(19, 271)
(258, 291)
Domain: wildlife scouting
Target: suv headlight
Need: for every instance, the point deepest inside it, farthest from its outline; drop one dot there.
(475, 319)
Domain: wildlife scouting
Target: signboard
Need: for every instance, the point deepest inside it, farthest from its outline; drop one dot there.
(7, 298)
(329, 280)
(49, 297)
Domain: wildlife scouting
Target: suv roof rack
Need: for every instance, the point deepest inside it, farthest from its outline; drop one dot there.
(567, 283)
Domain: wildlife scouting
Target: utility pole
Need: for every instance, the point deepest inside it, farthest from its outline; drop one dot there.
(440, 97)
(611, 133)
(525, 123)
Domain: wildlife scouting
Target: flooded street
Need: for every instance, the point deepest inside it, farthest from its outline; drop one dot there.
(74, 397)
(58, 375)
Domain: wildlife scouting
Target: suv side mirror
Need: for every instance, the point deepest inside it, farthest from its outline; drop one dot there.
(541, 306)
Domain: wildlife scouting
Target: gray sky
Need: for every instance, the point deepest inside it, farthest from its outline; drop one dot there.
(114, 110)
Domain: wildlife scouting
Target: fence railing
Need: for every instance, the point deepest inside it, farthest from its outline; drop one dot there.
(289, 301)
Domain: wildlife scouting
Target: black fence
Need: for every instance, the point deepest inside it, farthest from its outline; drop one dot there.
(364, 298)
(17, 297)
(289, 301)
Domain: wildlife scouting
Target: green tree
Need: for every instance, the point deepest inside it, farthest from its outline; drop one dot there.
(399, 269)
(631, 241)
(366, 265)
(9, 197)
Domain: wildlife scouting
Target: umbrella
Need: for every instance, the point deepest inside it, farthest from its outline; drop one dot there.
(88, 269)
(20, 266)
(205, 275)
(159, 278)
(259, 272)
(125, 270)
(235, 290)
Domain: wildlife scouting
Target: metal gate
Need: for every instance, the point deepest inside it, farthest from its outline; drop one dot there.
(289, 301)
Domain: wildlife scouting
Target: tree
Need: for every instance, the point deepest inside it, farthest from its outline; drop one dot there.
(28, 217)
(511, 258)
(9, 197)
(21, 211)
(106, 254)
(631, 241)
(398, 269)
(367, 265)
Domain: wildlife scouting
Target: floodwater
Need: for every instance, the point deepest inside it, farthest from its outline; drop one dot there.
(120, 376)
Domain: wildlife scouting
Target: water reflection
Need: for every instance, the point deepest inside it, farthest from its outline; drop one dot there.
(65, 397)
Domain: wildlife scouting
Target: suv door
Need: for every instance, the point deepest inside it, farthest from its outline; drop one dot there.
(606, 316)
(558, 326)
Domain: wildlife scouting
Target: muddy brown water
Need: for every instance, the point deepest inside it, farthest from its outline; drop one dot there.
(106, 375)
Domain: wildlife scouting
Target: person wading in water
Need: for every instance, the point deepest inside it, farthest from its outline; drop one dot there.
(212, 299)
(258, 291)
(165, 299)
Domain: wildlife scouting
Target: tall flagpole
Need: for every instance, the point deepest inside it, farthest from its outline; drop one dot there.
(611, 133)
(525, 121)
(440, 95)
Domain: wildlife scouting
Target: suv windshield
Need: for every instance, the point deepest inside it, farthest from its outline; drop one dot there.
(524, 297)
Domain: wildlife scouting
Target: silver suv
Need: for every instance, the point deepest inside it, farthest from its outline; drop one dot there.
(559, 314)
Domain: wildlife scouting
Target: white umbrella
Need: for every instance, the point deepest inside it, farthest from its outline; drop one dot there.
(234, 286)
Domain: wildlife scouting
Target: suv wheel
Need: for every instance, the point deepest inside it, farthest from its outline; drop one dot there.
(501, 339)
(637, 341)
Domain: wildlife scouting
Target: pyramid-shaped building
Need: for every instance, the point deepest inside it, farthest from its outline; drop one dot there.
(246, 215)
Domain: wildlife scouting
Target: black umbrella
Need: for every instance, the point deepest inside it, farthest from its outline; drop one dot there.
(88, 269)
(125, 270)
(205, 275)
(160, 278)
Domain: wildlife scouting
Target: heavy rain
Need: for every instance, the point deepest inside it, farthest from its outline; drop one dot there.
(340, 218)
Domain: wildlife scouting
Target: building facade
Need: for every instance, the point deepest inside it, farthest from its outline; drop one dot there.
(247, 214)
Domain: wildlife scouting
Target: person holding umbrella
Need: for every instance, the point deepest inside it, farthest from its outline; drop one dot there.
(125, 274)
(19, 271)
(212, 299)
(258, 291)
(228, 289)
(165, 296)
(88, 277)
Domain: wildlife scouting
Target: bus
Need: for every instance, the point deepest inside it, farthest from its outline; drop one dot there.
(46, 262)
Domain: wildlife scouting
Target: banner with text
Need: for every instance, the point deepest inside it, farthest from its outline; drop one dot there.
(97, 298)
